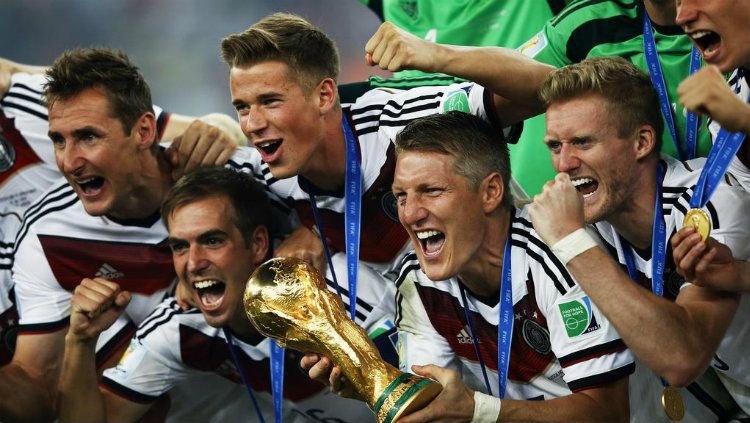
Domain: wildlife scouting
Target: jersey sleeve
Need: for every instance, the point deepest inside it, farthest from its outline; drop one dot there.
(418, 341)
(396, 108)
(589, 349)
(43, 305)
(151, 365)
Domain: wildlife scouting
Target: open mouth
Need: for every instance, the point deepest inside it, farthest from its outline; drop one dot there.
(707, 41)
(210, 293)
(432, 241)
(269, 147)
(586, 186)
(92, 185)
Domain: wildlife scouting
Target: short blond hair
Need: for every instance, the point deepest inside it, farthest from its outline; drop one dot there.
(631, 96)
(308, 52)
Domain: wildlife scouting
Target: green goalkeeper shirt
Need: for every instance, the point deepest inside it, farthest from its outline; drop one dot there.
(589, 28)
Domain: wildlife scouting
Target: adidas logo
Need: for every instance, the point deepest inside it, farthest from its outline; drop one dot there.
(108, 272)
(464, 337)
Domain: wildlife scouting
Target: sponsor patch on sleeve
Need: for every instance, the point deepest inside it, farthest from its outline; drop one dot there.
(532, 47)
(579, 317)
(457, 100)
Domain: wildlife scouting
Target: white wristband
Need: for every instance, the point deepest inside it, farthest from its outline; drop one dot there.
(573, 244)
(486, 408)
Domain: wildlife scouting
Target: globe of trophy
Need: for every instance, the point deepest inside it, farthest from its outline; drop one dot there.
(287, 300)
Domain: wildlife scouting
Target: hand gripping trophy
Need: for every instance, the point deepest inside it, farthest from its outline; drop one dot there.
(286, 299)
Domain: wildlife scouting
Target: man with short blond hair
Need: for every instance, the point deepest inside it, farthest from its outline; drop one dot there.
(612, 176)
(283, 74)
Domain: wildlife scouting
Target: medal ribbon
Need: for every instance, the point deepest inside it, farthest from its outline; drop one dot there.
(658, 243)
(504, 325)
(658, 247)
(723, 151)
(233, 353)
(352, 215)
(657, 78)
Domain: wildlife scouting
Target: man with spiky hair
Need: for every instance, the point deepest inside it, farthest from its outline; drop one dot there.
(27, 163)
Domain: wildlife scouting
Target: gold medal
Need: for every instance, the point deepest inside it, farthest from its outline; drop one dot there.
(698, 219)
(673, 404)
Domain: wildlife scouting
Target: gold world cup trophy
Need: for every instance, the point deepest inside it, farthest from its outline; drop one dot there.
(287, 300)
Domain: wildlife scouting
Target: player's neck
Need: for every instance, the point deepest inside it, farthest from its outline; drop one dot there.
(634, 221)
(242, 327)
(147, 189)
(327, 170)
(482, 273)
(661, 12)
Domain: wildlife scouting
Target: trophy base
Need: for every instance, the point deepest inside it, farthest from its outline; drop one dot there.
(405, 395)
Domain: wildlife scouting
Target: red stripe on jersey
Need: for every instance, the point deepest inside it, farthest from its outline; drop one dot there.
(140, 268)
(211, 354)
(24, 154)
(382, 236)
(526, 362)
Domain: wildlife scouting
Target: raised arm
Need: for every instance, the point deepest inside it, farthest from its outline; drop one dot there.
(513, 77)
(96, 304)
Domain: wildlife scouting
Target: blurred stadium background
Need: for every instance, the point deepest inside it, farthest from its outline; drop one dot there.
(174, 42)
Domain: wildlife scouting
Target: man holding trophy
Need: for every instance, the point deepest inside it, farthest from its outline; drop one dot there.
(220, 229)
(472, 246)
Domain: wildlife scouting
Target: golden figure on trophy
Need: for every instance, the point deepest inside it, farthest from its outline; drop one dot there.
(286, 299)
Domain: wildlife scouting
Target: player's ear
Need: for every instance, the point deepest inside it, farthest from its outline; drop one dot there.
(327, 95)
(145, 130)
(645, 142)
(259, 244)
(492, 189)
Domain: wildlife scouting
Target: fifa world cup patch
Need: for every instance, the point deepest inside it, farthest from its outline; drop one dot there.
(532, 47)
(579, 317)
(130, 360)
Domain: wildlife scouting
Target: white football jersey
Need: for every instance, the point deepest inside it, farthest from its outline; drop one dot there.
(561, 342)
(728, 210)
(375, 118)
(173, 347)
